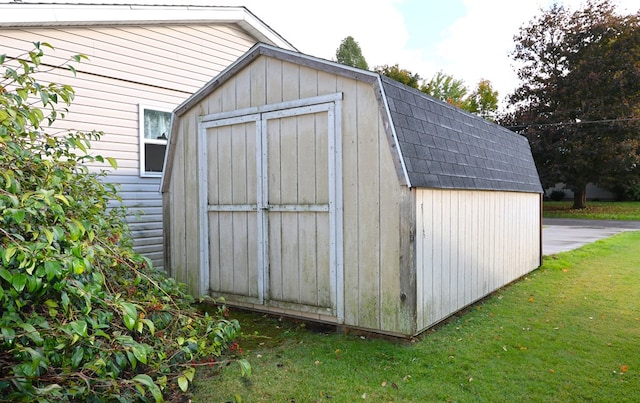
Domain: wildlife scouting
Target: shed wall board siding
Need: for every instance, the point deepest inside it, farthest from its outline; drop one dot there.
(469, 244)
(183, 199)
(129, 66)
(371, 215)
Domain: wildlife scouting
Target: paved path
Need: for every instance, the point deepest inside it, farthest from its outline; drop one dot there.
(563, 234)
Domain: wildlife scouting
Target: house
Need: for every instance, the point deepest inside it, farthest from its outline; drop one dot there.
(298, 186)
(594, 192)
(144, 60)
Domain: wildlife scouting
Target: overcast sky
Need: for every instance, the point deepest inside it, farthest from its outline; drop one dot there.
(469, 39)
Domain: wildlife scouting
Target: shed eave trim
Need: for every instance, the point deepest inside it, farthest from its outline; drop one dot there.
(394, 134)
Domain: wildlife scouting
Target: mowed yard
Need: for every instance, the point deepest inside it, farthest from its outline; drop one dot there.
(569, 331)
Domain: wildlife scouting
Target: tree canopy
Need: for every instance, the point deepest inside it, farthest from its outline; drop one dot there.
(349, 53)
(579, 98)
(447, 88)
(483, 100)
(404, 76)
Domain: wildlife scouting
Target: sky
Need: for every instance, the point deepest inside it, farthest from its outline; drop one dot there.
(468, 39)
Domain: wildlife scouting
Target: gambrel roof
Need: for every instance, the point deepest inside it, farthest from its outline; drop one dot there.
(436, 145)
(445, 147)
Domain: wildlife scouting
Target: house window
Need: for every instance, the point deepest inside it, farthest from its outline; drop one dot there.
(155, 127)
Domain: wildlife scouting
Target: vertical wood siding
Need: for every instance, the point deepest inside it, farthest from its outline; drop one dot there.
(372, 221)
(469, 244)
(128, 66)
(180, 206)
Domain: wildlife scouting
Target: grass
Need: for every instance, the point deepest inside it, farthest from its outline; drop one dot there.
(569, 331)
(594, 211)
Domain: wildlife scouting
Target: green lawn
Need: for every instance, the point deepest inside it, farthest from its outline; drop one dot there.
(570, 331)
(594, 210)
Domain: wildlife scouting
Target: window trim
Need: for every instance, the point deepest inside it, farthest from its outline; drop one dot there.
(142, 141)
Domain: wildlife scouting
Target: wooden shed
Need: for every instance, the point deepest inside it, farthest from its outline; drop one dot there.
(303, 187)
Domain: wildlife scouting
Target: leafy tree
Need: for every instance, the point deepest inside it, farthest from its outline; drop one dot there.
(483, 101)
(446, 88)
(579, 100)
(82, 317)
(401, 75)
(349, 53)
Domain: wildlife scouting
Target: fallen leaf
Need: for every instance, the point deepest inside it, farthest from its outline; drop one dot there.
(624, 368)
(384, 384)
(393, 385)
(317, 362)
(552, 370)
(364, 395)
(532, 299)
(406, 378)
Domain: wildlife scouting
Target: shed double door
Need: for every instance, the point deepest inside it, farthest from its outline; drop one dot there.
(271, 208)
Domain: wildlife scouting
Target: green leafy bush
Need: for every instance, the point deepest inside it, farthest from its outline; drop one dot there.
(557, 195)
(82, 317)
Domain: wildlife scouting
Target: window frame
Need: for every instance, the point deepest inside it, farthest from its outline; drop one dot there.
(142, 140)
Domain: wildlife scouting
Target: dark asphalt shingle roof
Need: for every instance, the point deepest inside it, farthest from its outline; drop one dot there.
(445, 147)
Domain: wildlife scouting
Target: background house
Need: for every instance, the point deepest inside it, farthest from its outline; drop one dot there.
(299, 186)
(144, 61)
(593, 192)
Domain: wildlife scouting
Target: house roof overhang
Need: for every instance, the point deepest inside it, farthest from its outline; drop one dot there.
(15, 15)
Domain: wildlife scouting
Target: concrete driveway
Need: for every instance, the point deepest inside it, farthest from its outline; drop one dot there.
(563, 234)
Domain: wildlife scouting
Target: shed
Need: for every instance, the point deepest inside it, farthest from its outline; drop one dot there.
(299, 186)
